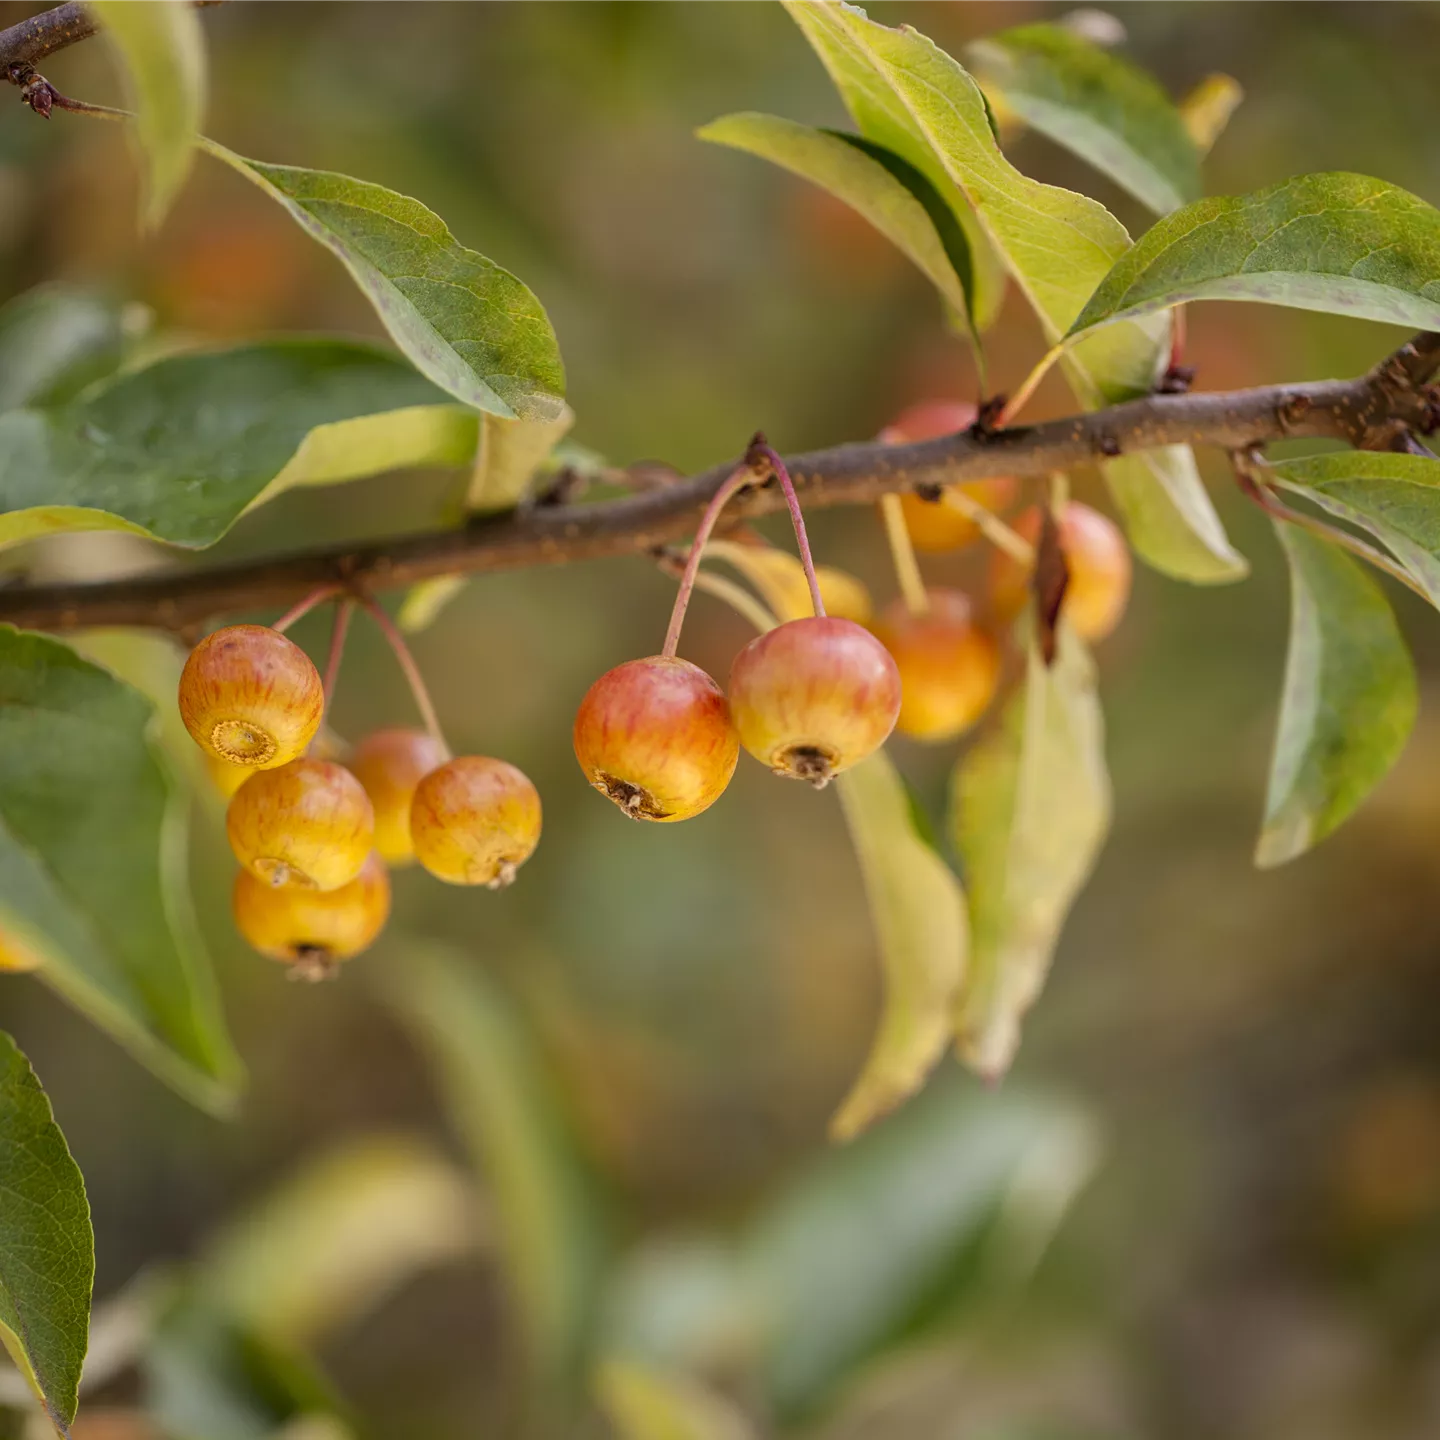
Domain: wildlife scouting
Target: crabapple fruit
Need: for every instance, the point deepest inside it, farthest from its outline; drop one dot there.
(251, 697)
(474, 821)
(390, 764)
(655, 736)
(813, 697)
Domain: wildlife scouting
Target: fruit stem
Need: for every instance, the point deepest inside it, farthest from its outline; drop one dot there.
(1028, 386)
(738, 598)
(413, 677)
(736, 481)
(760, 449)
(339, 630)
(990, 525)
(902, 552)
(305, 606)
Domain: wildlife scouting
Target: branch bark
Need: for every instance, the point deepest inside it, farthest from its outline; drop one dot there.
(1374, 411)
(24, 45)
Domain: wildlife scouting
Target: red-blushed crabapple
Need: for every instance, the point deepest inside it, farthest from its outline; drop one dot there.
(312, 931)
(1098, 560)
(249, 696)
(309, 823)
(813, 697)
(474, 821)
(390, 764)
(949, 667)
(655, 736)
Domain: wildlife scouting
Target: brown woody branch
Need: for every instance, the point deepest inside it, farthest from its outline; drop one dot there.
(1380, 410)
(24, 45)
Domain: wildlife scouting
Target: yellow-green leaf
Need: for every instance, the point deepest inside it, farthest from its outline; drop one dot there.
(1031, 808)
(1349, 700)
(163, 46)
(918, 911)
(1207, 109)
(47, 1251)
(337, 1238)
(500, 1100)
(645, 1403)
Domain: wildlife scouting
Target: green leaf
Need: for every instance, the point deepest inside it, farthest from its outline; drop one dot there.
(93, 877)
(1170, 518)
(464, 322)
(163, 47)
(861, 1248)
(888, 191)
(180, 449)
(643, 1403)
(426, 601)
(1348, 704)
(908, 95)
(1341, 243)
(1109, 112)
(1395, 497)
(502, 1105)
(918, 911)
(47, 1251)
(1031, 808)
(334, 1240)
(55, 340)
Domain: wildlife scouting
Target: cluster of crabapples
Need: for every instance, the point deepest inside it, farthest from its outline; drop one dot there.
(314, 837)
(816, 695)
(809, 698)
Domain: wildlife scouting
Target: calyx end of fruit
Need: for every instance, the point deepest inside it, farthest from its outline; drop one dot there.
(815, 764)
(634, 800)
(313, 963)
(242, 742)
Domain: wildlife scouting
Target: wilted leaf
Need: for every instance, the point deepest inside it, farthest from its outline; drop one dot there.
(1349, 700)
(163, 47)
(54, 341)
(1207, 109)
(642, 1403)
(1031, 809)
(857, 1252)
(180, 449)
(469, 325)
(47, 1251)
(1170, 518)
(334, 1240)
(545, 1213)
(93, 863)
(908, 95)
(1336, 242)
(1109, 112)
(1395, 497)
(887, 190)
(918, 911)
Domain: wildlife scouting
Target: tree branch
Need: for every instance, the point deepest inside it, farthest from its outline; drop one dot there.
(1374, 411)
(24, 45)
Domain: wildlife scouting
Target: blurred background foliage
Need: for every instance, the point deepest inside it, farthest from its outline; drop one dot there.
(652, 1027)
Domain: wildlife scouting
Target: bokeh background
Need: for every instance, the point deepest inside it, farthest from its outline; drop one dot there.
(1257, 1253)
